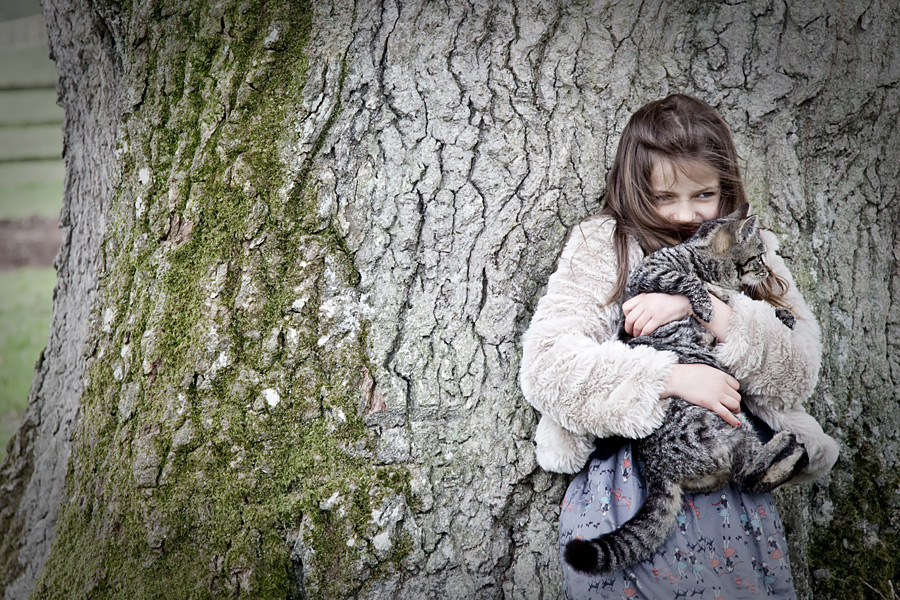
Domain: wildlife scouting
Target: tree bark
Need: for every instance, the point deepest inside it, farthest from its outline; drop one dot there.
(302, 244)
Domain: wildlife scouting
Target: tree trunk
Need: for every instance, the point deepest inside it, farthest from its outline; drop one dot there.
(302, 244)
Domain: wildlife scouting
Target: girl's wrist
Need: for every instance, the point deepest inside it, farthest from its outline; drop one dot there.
(671, 387)
(721, 319)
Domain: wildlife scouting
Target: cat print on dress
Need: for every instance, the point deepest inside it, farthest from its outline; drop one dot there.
(694, 450)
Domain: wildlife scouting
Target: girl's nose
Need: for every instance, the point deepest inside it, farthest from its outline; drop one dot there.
(684, 213)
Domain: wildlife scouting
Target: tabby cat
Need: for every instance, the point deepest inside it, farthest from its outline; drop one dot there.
(694, 450)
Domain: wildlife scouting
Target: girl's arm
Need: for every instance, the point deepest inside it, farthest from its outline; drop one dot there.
(573, 368)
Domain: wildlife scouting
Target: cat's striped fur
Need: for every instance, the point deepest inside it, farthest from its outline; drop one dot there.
(694, 449)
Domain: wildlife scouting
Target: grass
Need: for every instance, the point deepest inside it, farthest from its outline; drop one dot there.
(891, 591)
(31, 188)
(25, 308)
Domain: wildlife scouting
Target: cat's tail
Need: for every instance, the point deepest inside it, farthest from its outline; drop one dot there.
(636, 540)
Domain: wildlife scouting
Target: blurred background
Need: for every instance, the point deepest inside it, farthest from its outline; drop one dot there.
(31, 181)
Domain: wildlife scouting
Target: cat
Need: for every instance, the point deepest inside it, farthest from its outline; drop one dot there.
(694, 450)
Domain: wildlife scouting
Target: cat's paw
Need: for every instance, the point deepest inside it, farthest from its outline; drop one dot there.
(702, 307)
(786, 317)
(776, 462)
(790, 459)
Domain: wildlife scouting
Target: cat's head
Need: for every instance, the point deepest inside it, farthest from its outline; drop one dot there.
(735, 238)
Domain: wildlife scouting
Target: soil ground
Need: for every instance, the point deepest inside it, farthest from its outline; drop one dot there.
(30, 242)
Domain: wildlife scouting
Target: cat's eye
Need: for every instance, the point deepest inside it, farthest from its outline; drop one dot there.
(754, 260)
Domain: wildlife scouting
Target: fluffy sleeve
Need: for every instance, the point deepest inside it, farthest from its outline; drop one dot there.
(573, 368)
(765, 355)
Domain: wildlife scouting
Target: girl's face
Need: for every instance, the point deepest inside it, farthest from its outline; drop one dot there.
(686, 193)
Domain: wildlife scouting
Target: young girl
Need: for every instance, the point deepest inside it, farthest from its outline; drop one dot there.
(675, 167)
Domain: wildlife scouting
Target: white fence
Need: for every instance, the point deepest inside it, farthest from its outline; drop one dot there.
(24, 32)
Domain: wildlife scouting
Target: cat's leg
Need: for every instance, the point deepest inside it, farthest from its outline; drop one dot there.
(759, 467)
(692, 287)
(786, 317)
(823, 450)
(722, 293)
(661, 277)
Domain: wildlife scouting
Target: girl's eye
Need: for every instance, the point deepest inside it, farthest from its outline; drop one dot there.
(662, 198)
(706, 195)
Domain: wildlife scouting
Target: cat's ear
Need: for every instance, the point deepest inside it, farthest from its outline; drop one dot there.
(731, 234)
(723, 239)
(747, 228)
(741, 213)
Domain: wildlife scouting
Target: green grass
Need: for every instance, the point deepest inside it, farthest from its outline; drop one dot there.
(29, 107)
(26, 299)
(31, 188)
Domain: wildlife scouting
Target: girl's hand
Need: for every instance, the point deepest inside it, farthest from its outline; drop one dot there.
(707, 387)
(645, 313)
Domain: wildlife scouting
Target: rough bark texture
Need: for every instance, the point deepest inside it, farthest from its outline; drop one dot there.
(302, 243)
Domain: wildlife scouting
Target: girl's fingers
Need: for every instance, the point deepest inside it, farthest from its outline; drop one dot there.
(631, 321)
(731, 397)
(629, 304)
(731, 404)
(641, 324)
(732, 382)
(728, 417)
(708, 387)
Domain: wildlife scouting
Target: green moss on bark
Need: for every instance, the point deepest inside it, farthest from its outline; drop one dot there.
(858, 554)
(214, 415)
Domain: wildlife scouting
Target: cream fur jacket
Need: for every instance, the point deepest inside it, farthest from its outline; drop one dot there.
(587, 384)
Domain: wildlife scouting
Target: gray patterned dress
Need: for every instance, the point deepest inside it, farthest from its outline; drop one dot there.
(729, 544)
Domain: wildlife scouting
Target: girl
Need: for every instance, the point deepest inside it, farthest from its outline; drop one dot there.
(675, 167)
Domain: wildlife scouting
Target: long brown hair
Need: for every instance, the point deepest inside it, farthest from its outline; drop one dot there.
(678, 128)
